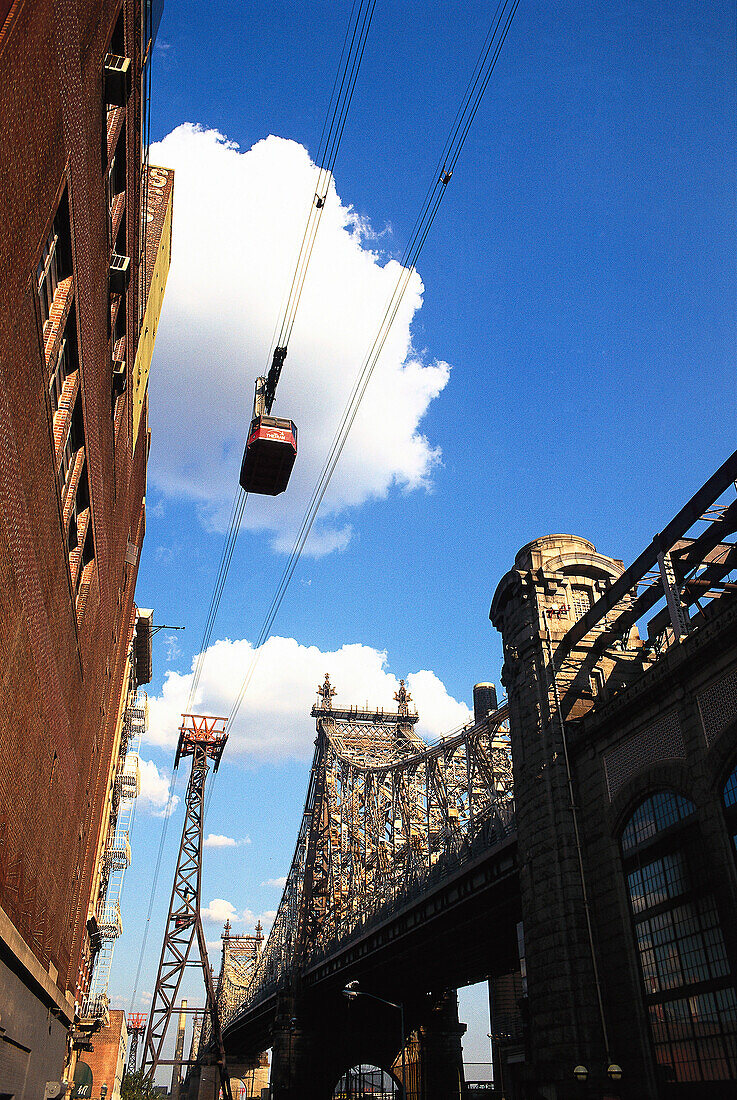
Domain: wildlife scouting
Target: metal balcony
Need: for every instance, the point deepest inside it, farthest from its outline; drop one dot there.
(94, 1014)
(117, 855)
(128, 779)
(109, 922)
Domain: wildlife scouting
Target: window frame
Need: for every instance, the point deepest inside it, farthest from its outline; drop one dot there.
(678, 938)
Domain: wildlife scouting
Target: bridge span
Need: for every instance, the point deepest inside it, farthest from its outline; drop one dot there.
(404, 878)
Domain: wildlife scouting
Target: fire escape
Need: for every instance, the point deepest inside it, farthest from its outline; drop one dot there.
(106, 925)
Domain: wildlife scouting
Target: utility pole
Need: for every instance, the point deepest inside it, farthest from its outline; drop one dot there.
(202, 737)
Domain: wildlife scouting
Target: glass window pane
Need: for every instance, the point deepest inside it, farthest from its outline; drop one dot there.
(730, 790)
(653, 815)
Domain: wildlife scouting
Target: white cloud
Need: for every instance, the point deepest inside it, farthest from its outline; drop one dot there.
(154, 796)
(278, 882)
(217, 840)
(219, 911)
(238, 221)
(274, 720)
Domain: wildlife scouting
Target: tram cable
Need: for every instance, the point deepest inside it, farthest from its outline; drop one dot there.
(352, 52)
(351, 56)
(493, 44)
(166, 815)
(483, 70)
(236, 515)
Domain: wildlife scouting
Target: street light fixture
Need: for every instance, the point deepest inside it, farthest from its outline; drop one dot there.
(614, 1072)
(351, 991)
(581, 1073)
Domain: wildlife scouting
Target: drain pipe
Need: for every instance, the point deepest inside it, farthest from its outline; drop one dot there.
(577, 835)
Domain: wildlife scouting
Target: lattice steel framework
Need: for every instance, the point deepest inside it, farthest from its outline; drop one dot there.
(240, 956)
(203, 738)
(136, 1027)
(386, 816)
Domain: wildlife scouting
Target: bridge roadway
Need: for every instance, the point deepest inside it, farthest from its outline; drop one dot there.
(461, 931)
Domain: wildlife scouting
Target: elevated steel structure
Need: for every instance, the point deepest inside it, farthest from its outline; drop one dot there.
(136, 1027)
(688, 564)
(203, 738)
(386, 816)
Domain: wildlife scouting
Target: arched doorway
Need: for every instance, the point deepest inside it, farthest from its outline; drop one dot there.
(367, 1082)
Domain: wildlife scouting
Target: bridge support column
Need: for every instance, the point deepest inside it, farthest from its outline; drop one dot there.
(209, 1086)
(296, 1059)
(435, 1061)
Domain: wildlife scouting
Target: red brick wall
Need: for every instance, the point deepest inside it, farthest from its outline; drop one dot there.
(104, 1059)
(61, 672)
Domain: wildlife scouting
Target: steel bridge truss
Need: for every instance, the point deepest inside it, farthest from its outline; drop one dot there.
(386, 815)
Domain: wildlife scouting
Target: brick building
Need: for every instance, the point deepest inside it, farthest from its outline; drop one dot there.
(82, 275)
(625, 775)
(107, 1061)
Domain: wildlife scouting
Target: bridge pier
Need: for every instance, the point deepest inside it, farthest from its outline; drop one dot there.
(294, 1057)
(208, 1087)
(434, 1055)
(312, 1049)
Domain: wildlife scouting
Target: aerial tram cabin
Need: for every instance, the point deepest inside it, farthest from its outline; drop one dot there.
(271, 449)
(269, 455)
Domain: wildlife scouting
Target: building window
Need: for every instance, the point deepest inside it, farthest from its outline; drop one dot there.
(59, 373)
(730, 805)
(653, 816)
(581, 601)
(116, 173)
(55, 263)
(74, 440)
(63, 364)
(47, 274)
(699, 1034)
(690, 998)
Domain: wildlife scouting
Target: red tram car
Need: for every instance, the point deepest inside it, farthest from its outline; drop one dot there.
(269, 456)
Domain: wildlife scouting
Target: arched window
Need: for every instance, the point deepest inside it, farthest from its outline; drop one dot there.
(730, 804)
(689, 991)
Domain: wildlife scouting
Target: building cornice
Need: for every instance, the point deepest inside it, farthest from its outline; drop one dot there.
(16, 953)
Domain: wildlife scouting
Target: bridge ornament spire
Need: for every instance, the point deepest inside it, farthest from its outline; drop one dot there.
(326, 693)
(403, 699)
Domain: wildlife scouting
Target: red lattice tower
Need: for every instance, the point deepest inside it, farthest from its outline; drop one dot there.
(136, 1027)
(203, 738)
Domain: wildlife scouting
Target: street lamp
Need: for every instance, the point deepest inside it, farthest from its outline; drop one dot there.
(614, 1072)
(581, 1073)
(352, 991)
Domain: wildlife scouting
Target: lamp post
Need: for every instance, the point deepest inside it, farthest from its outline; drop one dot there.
(352, 991)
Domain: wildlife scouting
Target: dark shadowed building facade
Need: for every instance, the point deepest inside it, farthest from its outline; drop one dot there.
(85, 232)
(625, 777)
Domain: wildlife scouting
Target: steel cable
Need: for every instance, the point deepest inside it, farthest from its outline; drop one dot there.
(464, 118)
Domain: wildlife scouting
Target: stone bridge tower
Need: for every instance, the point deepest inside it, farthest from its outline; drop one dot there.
(555, 580)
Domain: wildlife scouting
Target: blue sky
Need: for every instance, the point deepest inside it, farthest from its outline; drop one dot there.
(564, 360)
